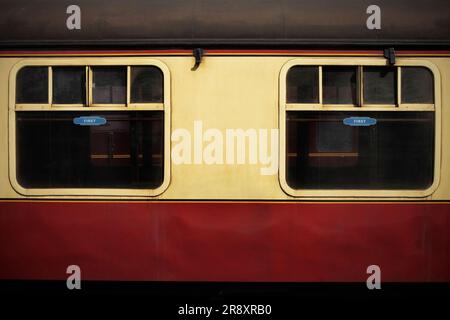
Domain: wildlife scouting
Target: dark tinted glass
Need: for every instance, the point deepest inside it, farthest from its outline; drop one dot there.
(303, 85)
(32, 85)
(339, 85)
(146, 85)
(332, 138)
(69, 85)
(126, 152)
(417, 85)
(380, 85)
(395, 153)
(109, 85)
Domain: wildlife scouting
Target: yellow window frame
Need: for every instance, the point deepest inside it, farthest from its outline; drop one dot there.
(360, 63)
(88, 63)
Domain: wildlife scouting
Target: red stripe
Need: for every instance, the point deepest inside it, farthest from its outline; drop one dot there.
(219, 52)
(225, 241)
(84, 52)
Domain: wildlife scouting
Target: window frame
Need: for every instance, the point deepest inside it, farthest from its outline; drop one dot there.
(165, 107)
(360, 63)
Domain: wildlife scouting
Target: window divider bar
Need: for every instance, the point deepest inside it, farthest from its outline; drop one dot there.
(320, 85)
(50, 85)
(89, 85)
(128, 85)
(360, 87)
(86, 89)
(399, 87)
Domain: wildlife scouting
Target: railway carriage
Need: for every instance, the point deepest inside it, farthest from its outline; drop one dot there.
(224, 141)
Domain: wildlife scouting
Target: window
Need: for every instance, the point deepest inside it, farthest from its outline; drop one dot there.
(303, 84)
(109, 85)
(361, 135)
(69, 85)
(146, 85)
(396, 153)
(32, 85)
(112, 138)
(126, 152)
(380, 86)
(417, 85)
(339, 85)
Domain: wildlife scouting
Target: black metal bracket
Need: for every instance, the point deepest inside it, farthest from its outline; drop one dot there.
(389, 54)
(198, 54)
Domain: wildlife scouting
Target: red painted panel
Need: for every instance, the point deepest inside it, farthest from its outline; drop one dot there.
(225, 241)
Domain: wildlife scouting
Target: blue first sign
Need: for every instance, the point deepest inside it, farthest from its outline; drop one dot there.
(360, 121)
(89, 121)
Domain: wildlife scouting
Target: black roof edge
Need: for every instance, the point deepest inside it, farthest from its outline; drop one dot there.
(223, 44)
